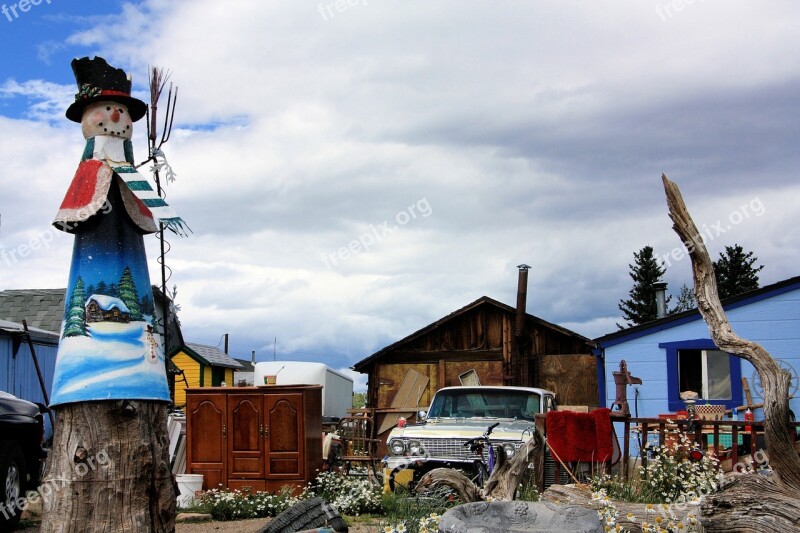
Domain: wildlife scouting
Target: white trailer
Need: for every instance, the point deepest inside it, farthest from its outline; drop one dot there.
(337, 388)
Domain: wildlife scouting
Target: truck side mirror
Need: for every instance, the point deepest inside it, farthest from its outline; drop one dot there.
(422, 415)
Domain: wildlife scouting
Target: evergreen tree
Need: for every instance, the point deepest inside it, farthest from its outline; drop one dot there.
(90, 290)
(127, 293)
(735, 272)
(113, 290)
(74, 321)
(641, 306)
(102, 288)
(146, 305)
(685, 300)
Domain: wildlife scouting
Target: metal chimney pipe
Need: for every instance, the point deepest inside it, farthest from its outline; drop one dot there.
(660, 288)
(522, 296)
(254, 357)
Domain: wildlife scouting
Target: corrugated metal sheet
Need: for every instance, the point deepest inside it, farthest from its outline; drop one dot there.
(18, 370)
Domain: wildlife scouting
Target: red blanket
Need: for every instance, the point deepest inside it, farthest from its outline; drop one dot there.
(583, 437)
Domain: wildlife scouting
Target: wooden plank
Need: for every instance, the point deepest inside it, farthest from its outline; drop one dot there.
(572, 377)
(409, 393)
(747, 394)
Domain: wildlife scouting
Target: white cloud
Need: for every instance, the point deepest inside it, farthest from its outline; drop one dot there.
(536, 132)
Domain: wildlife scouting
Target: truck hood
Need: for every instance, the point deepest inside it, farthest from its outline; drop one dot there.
(12, 406)
(509, 429)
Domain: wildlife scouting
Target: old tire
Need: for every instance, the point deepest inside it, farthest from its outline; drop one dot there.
(307, 514)
(12, 475)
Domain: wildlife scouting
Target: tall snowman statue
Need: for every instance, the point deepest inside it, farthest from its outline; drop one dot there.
(109, 456)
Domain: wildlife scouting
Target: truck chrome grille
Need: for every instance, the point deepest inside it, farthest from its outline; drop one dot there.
(452, 449)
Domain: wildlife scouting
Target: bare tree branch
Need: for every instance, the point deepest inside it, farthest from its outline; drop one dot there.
(782, 456)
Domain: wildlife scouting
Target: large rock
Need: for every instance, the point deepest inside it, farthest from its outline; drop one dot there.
(519, 516)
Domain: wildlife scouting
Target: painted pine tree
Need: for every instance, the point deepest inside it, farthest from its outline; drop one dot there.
(128, 294)
(74, 323)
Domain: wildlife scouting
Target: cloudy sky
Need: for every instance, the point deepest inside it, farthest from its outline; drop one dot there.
(356, 169)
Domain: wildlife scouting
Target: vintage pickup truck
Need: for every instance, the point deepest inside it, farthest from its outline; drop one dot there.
(21, 454)
(458, 414)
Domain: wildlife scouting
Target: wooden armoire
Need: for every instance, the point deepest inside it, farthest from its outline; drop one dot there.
(263, 438)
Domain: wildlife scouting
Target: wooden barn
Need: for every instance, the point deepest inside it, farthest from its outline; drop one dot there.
(488, 343)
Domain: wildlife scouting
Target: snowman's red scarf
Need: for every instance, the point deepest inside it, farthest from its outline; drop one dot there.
(90, 185)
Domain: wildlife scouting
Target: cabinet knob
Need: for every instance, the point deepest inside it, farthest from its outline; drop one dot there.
(261, 431)
(224, 430)
(266, 431)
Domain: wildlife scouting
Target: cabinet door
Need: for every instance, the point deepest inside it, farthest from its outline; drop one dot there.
(284, 435)
(245, 428)
(206, 430)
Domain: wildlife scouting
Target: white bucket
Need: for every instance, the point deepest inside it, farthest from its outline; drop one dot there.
(189, 486)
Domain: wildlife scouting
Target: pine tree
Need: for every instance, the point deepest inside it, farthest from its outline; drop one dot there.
(74, 321)
(735, 272)
(641, 306)
(127, 293)
(146, 305)
(102, 288)
(685, 300)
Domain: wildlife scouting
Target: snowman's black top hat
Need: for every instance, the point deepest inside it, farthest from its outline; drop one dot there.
(99, 81)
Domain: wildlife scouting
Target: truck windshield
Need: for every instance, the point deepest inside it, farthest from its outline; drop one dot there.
(472, 403)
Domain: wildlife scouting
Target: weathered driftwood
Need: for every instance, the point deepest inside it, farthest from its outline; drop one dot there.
(783, 458)
(108, 469)
(455, 479)
(501, 485)
(751, 502)
(631, 515)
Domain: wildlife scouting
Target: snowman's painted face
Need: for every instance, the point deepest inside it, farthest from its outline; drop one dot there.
(106, 118)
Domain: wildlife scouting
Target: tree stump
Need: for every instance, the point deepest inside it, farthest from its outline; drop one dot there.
(108, 469)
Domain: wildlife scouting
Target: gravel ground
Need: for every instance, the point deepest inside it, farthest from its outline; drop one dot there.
(239, 526)
(31, 521)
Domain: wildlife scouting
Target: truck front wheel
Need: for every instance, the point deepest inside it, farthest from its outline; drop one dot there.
(12, 475)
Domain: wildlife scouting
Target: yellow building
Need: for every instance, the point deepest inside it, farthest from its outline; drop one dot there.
(201, 365)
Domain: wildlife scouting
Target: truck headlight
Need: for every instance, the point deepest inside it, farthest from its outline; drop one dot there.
(414, 447)
(397, 446)
(510, 450)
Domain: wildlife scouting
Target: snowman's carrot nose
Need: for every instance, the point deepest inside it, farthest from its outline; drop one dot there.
(115, 115)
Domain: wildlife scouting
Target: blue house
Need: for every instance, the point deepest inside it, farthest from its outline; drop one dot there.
(676, 353)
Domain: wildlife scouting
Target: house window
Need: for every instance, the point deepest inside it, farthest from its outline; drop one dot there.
(698, 365)
(706, 372)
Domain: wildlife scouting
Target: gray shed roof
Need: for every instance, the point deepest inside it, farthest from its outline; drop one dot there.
(213, 355)
(40, 308)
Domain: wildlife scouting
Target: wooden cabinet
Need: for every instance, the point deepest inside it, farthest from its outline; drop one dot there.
(263, 438)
